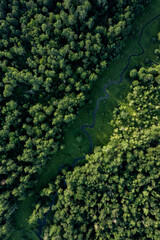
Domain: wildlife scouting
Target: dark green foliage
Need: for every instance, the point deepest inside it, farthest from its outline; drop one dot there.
(116, 194)
(50, 55)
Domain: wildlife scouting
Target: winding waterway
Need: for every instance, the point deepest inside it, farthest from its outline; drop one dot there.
(85, 126)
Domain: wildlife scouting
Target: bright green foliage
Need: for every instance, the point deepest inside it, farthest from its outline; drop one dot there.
(116, 194)
(50, 56)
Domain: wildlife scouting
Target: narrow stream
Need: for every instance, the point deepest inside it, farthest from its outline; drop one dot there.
(83, 127)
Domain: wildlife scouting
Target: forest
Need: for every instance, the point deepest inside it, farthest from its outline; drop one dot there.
(116, 194)
(51, 55)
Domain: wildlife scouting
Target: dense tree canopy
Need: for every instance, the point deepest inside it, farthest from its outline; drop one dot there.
(51, 53)
(116, 194)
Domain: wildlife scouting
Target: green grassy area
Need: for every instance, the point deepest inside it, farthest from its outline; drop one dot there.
(102, 130)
